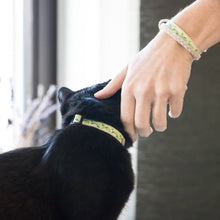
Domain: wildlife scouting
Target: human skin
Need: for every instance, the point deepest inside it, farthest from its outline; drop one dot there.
(159, 73)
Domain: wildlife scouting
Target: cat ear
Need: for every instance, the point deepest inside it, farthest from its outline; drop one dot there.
(63, 93)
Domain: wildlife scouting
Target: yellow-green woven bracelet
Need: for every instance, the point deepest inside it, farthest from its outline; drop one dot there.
(180, 36)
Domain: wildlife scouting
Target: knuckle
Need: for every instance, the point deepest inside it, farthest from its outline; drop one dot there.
(176, 90)
(144, 89)
(162, 92)
(126, 121)
(140, 92)
(143, 129)
(140, 126)
(171, 90)
(127, 91)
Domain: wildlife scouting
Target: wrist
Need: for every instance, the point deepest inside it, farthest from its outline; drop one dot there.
(201, 21)
(168, 44)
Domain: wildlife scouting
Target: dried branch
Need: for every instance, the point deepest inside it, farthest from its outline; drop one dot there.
(38, 111)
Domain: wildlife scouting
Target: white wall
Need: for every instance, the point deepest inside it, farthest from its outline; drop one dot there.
(96, 39)
(11, 71)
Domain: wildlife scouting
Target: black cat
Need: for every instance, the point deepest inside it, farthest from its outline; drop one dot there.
(84, 171)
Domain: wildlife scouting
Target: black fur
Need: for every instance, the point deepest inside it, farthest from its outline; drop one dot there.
(80, 174)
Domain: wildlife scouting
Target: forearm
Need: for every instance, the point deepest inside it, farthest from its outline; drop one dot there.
(201, 21)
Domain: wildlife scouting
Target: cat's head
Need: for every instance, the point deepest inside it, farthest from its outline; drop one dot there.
(84, 103)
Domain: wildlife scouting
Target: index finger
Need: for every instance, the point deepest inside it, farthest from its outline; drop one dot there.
(113, 86)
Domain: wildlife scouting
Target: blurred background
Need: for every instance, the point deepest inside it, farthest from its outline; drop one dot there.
(64, 43)
(46, 44)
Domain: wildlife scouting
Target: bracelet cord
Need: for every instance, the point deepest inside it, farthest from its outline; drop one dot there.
(180, 37)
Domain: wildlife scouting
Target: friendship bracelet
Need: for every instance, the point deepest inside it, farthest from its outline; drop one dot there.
(180, 37)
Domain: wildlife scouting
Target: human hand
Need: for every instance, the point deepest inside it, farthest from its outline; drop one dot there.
(155, 77)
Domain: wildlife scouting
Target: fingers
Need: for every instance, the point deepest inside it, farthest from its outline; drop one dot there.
(176, 106)
(127, 114)
(113, 86)
(136, 114)
(176, 103)
(159, 114)
(142, 117)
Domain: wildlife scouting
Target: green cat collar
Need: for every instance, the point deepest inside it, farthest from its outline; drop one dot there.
(100, 126)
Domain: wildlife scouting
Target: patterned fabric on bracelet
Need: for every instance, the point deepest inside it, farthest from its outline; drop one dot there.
(180, 36)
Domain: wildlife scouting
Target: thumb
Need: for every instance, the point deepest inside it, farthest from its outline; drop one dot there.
(113, 86)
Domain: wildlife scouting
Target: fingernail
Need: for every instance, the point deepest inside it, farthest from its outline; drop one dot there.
(97, 93)
(161, 129)
(151, 131)
(147, 133)
(170, 114)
